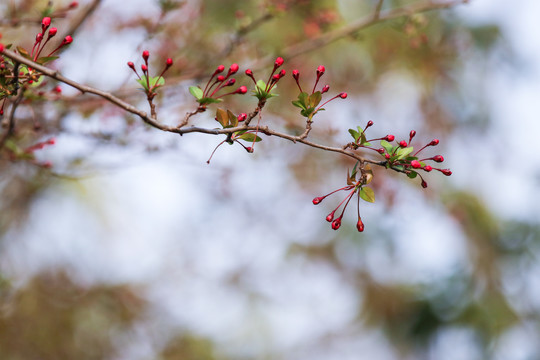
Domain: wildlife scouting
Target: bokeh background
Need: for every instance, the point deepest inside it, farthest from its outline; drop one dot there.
(132, 247)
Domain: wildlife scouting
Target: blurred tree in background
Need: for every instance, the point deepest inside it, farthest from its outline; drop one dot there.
(424, 68)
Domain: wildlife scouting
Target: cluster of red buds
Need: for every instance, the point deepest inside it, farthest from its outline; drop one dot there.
(147, 82)
(216, 83)
(354, 186)
(400, 157)
(39, 45)
(263, 90)
(40, 145)
(22, 74)
(309, 103)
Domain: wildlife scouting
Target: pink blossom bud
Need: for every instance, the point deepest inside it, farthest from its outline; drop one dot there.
(389, 138)
(446, 172)
(403, 143)
(145, 55)
(52, 32)
(434, 142)
(67, 40)
(428, 168)
(73, 4)
(317, 200)
(343, 95)
(242, 117)
(360, 225)
(320, 70)
(219, 69)
(279, 62)
(438, 158)
(220, 78)
(241, 90)
(233, 69)
(46, 22)
(416, 164)
(325, 89)
(169, 62)
(336, 223)
(295, 74)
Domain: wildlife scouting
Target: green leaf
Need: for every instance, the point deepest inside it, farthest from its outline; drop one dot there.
(314, 99)
(156, 81)
(297, 103)
(196, 92)
(386, 145)
(412, 174)
(233, 120)
(354, 134)
(367, 194)
(249, 137)
(45, 59)
(23, 52)
(205, 101)
(404, 152)
(222, 117)
(142, 82)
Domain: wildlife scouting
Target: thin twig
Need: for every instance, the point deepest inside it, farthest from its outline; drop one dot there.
(11, 120)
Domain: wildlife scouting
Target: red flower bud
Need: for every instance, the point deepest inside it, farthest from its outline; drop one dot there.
(369, 123)
(219, 69)
(438, 158)
(39, 37)
(282, 73)
(295, 74)
(330, 216)
(434, 142)
(389, 138)
(360, 225)
(428, 168)
(275, 77)
(320, 70)
(1, 47)
(412, 134)
(46, 22)
(242, 117)
(325, 89)
(317, 200)
(336, 223)
(279, 62)
(57, 89)
(241, 90)
(230, 82)
(416, 164)
(233, 69)
(169, 62)
(249, 72)
(73, 4)
(387, 156)
(145, 55)
(249, 149)
(131, 65)
(446, 172)
(220, 78)
(67, 40)
(403, 143)
(144, 68)
(343, 95)
(424, 184)
(52, 32)
(380, 151)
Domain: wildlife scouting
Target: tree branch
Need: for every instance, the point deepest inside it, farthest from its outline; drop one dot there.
(372, 19)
